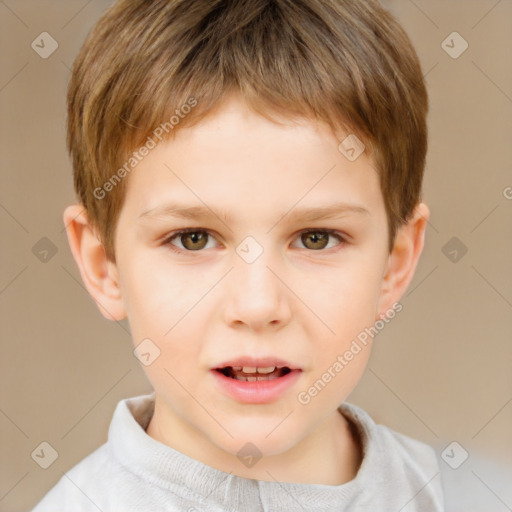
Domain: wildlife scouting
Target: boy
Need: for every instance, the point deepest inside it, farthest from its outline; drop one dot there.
(249, 175)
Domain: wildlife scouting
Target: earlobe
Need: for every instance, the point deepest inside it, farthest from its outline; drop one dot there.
(404, 258)
(99, 274)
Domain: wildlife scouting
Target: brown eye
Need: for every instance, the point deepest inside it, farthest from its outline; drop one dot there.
(315, 239)
(318, 239)
(189, 240)
(194, 241)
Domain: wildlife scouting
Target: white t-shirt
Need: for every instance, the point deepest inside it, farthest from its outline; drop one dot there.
(132, 472)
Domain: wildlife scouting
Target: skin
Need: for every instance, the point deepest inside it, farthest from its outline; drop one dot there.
(298, 301)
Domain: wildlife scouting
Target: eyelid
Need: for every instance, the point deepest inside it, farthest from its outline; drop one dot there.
(343, 238)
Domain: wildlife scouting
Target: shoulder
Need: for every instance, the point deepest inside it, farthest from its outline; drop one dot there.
(88, 485)
(83, 485)
(408, 466)
(412, 452)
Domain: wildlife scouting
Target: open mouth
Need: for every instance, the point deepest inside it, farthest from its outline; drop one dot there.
(255, 381)
(253, 374)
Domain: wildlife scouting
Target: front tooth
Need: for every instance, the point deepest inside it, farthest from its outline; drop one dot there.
(268, 369)
(249, 369)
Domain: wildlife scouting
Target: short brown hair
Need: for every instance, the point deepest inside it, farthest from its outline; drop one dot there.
(347, 63)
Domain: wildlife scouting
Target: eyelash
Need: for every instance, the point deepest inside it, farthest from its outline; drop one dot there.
(176, 234)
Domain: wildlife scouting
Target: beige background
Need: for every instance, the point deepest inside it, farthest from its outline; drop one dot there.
(440, 372)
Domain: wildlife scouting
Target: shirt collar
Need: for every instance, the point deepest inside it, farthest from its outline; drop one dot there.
(170, 469)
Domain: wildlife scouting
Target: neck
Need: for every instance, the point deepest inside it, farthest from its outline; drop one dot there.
(330, 455)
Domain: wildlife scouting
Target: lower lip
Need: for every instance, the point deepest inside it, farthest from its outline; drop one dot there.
(256, 392)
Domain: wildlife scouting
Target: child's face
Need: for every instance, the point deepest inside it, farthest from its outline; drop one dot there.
(205, 303)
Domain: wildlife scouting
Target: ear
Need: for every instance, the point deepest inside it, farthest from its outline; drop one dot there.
(99, 274)
(403, 259)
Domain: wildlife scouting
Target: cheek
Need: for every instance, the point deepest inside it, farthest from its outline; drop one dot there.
(165, 305)
(163, 308)
(157, 297)
(345, 299)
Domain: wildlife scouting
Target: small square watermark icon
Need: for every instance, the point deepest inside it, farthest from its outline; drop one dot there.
(44, 250)
(351, 147)
(454, 45)
(454, 455)
(45, 455)
(249, 249)
(44, 45)
(146, 352)
(249, 455)
(454, 249)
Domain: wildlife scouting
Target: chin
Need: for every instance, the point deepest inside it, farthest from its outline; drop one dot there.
(258, 440)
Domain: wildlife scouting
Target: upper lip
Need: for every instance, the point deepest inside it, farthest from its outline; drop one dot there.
(257, 362)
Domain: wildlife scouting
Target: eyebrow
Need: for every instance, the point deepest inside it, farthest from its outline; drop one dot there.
(330, 211)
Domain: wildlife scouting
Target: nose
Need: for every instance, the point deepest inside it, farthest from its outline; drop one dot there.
(258, 297)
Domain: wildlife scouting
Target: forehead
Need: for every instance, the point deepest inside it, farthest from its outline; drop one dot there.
(238, 160)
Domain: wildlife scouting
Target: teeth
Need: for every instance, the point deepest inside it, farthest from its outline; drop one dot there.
(254, 378)
(254, 369)
(253, 373)
(268, 369)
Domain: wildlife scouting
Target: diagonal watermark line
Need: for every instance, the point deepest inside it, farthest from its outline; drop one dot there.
(187, 312)
(430, 224)
(14, 76)
(484, 218)
(424, 14)
(414, 497)
(199, 403)
(300, 300)
(68, 68)
(13, 279)
(14, 424)
(215, 488)
(494, 288)
(76, 14)
(14, 485)
(13, 13)
(491, 490)
(492, 81)
(488, 12)
(435, 65)
(88, 497)
(69, 223)
(503, 407)
(403, 403)
(198, 198)
(14, 218)
(301, 199)
(118, 322)
(285, 490)
(422, 280)
(97, 402)
(280, 423)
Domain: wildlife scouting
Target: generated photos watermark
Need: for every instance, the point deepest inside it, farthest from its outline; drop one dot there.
(151, 142)
(342, 360)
